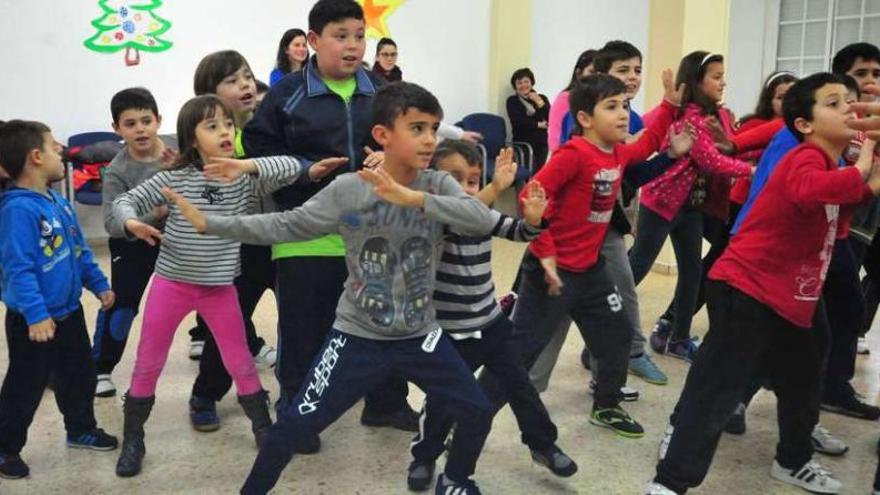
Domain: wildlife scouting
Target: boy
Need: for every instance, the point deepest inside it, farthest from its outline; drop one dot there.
(764, 293)
(466, 310)
(384, 320)
(45, 263)
(136, 118)
(320, 112)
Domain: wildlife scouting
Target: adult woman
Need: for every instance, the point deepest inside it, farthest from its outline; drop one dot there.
(293, 52)
(528, 112)
(385, 65)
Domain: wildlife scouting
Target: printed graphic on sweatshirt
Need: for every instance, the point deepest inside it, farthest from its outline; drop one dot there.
(52, 242)
(213, 194)
(602, 204)
(377, 264)
(809, 281)
(415, 257)
(321, 376)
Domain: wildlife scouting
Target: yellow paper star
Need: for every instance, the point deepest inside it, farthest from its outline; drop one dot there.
(376, 12)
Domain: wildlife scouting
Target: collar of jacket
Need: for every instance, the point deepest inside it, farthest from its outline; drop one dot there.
(315, 85)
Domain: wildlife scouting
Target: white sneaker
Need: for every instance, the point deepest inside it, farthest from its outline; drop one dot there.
(664, 443)
(266, 357)
(655, 488)
(862, 347)
(812, 477)
(105, 387)
(629, 394)
(826, 443)
(195, 349)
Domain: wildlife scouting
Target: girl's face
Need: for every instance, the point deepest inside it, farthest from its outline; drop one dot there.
(778, 96)
(387, 57)
(297, 51)
(523, 86)
(587, 71)
(713, 82)
(215, 135)
(239, 91)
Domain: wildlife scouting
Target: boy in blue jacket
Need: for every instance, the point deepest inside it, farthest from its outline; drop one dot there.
(44, 262)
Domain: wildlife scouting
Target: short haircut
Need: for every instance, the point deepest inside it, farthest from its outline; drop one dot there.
(383, 43)
(17, 139)
(614, 51)
(589, 91)
(282, 63)
(450, 147)
(801, 97)
(395, 99)
(132, 99)
(191, 114)
(214, 68)
(326, 11)
(845, 58)
(523, 73)
(851, 85)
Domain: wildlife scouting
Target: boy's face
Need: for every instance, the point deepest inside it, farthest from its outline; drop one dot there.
(610, 120)
(139, 128)
(778, 96)
(340, 48)
(468, 175)
(48, 158)
(831, 112)
(866, 73)
(214, 136)
(630, 72)
(412, 140)
(239, 91)
(713, 82)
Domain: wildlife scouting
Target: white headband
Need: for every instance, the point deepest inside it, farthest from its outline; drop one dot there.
(707, 57)
(777, 76)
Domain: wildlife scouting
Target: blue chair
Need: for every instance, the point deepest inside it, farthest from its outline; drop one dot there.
(494, 131)
(84, 196)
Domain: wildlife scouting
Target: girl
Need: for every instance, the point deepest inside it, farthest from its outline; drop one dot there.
(293, 52)
(673, 204)
(385, 65)
(561, 123)
(195, 272)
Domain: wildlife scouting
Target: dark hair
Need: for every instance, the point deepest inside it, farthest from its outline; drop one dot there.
(585, 59)
(589, 91)
(801, 97)
(395, 99)
(450, 147)
(385, 42)
(845, 57)
(523, 73)
(282, 63)
(764, 108)
(691, 72)
(326, 11)
(262, 87)
(612, 52)
(17, 139)
(214, 68)
(191, 114)
(132, 99)
(851, 85)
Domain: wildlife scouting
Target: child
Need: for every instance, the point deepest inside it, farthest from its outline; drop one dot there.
(764, 293)
(45, 262)
(560, 122)
(136, 118)
(321, 112)
(385, 322)
(293, 53)
(195, 273)
(466, 310)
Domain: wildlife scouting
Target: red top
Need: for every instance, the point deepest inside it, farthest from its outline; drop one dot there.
(740, 191)
(759, 137)
(781, 253)
(582, 183)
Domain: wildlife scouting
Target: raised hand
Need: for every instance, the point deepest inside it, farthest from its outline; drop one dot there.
(160, 212)
(680, 143)
(189, 211)
(143, 231)
(321, 168)
(671, 93)
(551, 276)
(471, 137)
(505, 170)
(390, 190)
(228, 169)
(534, 204)
(108, 299)
(374, 158)
(42, 331)
(169, 157)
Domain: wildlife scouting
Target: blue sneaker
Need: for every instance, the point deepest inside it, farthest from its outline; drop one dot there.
(96, 439)
(203, 414)
(646, 369)
(683, 349)
(447, 486)
(12, 467)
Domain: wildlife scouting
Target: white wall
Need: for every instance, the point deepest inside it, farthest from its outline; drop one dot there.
(750, 40)
(562, 29)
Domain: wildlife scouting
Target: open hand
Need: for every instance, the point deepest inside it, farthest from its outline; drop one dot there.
(227, 169)
(322, 168)
(374, 158)
(551, 276)
(169, 157)
(108, 299)
(471, 137)
(534, 203)
(143, 231)
(505, 170)
(42, 331)
(680, 143)
(189, 211)
(671, 93)
(390, 190)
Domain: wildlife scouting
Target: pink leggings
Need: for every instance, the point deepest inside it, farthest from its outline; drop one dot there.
(168, 302)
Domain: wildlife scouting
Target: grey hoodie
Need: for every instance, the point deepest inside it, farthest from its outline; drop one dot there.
(391, 252)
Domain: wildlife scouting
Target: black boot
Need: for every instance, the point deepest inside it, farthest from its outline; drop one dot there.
(133, 450)
(256, 408)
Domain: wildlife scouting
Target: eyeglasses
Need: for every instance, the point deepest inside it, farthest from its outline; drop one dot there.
(388, 55)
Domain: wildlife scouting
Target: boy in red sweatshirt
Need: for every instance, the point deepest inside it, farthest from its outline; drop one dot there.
(763, 294)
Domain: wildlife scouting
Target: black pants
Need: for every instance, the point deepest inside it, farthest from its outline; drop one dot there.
(743, 336)
(257, 276)
(131, 265)
(308, 290)
(67, 358)
(592, 302)
(346, 368)
(492, 352)
(845, 306)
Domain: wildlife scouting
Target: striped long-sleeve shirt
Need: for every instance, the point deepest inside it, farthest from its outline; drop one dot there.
(464, 294)
(185, 255)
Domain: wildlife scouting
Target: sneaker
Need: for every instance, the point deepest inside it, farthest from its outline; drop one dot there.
(655, 488)
(404, 419)
(420, 475)
(96, 439)
(556, 461)
(826, 443)
(203, 414)
(618, 420)
(447, 486)
(664, 442)
(12, 467)
(105, 387)
(852, 407)
(812, 477)
(627, 394)
(683, 349)
(195, 349)
(660, 335)
(862, 347)
(266, 357)
(736, 425)
(645, 368)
